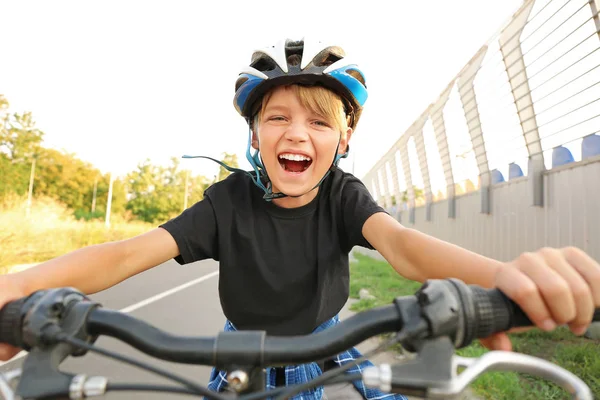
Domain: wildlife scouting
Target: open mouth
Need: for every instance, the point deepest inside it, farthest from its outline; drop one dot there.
(295, 163)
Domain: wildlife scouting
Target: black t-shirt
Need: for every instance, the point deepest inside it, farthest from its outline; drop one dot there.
(283, 270)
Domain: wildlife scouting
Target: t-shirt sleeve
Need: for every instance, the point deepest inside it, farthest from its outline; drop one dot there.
(357, 206)
(195, 232)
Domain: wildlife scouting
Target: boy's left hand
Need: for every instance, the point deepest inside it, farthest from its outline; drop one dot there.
(553, 287)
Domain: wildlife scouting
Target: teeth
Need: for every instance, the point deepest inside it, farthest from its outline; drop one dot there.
(294, 157)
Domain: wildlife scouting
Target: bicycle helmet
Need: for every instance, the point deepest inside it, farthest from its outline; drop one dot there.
(300, 62)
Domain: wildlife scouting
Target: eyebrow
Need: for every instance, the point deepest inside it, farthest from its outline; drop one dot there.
(276, 107)
(283, 108)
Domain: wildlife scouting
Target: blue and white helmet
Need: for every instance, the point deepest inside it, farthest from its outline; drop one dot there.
(300, 62)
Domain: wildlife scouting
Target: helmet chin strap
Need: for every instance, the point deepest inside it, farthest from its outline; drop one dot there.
(333, 166)
(260, 172)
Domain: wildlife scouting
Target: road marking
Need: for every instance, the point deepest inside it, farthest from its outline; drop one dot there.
(140, 304)
(167, 293)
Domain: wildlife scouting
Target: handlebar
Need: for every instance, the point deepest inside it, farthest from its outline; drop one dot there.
(441, 316)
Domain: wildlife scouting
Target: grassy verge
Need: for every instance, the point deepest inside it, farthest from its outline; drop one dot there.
(50, 231)
(579, 355)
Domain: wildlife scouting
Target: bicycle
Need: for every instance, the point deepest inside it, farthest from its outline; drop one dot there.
(441, 316)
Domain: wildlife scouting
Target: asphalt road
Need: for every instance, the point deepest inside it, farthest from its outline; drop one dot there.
(192, 310)
(182, 300)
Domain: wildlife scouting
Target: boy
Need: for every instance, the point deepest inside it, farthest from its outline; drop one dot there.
(282, 233)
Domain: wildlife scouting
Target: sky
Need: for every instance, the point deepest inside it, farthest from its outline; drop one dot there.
(118, 82)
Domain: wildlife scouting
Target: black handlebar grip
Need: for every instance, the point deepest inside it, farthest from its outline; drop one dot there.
(495, 312)
(10, 322)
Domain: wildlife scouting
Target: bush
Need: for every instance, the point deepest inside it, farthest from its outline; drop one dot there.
(51, 230)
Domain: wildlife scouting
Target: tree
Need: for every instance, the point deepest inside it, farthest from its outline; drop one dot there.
(228, 159)
(118, 203)
(19, 138)
(196, 187)
(469, 186)
(150, 193)
(156, 192)
(145, 186)
(439, 196)
(419, 194)
(19, 145)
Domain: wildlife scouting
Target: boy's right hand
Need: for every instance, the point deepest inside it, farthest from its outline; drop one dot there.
(9, 291)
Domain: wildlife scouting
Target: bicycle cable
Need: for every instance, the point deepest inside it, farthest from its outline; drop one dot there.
(325, 377)
(198, 389)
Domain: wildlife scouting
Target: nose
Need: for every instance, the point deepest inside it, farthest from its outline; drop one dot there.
(296, 132)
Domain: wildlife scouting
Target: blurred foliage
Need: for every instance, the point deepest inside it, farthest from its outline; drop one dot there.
(150, 193)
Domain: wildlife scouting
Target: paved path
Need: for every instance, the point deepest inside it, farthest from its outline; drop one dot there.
(180, 299)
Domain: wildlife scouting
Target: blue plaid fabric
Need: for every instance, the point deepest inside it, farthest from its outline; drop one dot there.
(296, 374)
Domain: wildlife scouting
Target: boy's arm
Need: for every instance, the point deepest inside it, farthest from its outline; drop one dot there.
(98, 267)
(552, 286)
(90, 269)
(419, 257)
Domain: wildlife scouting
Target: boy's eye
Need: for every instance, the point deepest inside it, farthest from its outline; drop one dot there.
(322, 123)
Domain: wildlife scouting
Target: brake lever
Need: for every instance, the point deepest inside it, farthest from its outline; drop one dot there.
(515, 362)
(432, 374)
(5, 381)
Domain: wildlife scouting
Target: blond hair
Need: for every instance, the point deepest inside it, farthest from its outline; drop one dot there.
(317, 100)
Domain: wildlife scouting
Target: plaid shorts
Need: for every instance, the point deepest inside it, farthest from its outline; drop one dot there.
(297, 374)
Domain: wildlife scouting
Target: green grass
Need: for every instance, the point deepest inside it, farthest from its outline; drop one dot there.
(579, 355)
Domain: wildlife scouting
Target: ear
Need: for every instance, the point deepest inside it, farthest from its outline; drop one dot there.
(254, 140)
(344, 142)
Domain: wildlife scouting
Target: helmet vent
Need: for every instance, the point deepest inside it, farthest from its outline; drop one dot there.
(356, 75)
(294, 59)
(293, 52)
(325, 58)
(241, 80)
(263, 63)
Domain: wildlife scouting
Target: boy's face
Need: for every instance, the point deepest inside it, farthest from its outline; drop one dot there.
(297, 145)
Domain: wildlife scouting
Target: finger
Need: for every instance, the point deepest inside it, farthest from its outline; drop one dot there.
(587, 267)
(580, 290)
(555, 290)
(498, 341)
(521, 288)
(7, 352)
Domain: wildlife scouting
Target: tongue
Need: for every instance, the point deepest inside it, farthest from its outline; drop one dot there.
(294, 166)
